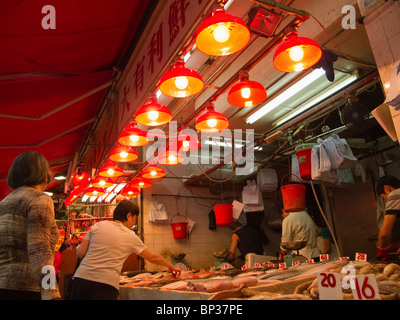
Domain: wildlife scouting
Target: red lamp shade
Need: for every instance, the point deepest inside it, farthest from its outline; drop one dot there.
(130, 192)
(296, 54)
(95, 192)
(132, 136)
(81, 178)
(153, 172)
(222, 34)
(73, 195)
(110, 169)
(140, 183)
(102, 182)
(123, 154)
(170, 158)
(181, 82)
(211, 121)
(153, 114)
(246, 93)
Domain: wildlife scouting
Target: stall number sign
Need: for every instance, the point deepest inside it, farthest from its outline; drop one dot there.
(361, 257)
(365, 287)
(329, 286)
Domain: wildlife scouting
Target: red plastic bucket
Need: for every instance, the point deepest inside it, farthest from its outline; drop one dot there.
(303, 153)
(179, 229)
(223, 214)
(294, 197)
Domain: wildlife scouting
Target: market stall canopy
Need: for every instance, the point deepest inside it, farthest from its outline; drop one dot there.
(57, 64)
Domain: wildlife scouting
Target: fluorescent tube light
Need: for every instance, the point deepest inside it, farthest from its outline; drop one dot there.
(60, 178)
(312, 102)
(287, 94)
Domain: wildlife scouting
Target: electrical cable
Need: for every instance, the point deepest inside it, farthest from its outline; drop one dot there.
(326, 221)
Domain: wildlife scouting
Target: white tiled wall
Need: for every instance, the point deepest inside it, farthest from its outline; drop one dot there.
(202, 241)
(383, 29)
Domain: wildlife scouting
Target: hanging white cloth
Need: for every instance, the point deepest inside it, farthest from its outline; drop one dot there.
(339, 153)
(252, 197)
(157, 212)
(321, 169)
(267, 179)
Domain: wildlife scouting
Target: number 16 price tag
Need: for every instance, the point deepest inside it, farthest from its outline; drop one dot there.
(329, 286)
(365, 287)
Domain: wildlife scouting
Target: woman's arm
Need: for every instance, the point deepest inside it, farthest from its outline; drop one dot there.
(158, 260)
(82, 249)
(234, 244)
(40, 223)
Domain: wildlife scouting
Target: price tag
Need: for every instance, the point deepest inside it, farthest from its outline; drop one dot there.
(244, 267)
(324, 257)
(201, 270)
(212, 268)
(329, 286)
(310, 261)
(257, 265)
(365, 287)
(361, 257)
(344, 258)
(295, 263)
(270, 265)
(282, 266)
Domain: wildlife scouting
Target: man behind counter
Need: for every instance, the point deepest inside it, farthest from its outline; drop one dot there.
(246, 239)
(388, 188)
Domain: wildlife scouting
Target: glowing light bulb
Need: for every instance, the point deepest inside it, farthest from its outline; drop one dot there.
(130, 192)
(221, 33)
(185, 144)
(153, 115)
(245, 93)
(296, 53)
(171, 158)
(134, 138)
(95, 192)
(212, 123)
(141, 183)
(102, 183)
(181, 82)
(123, 154)
(110, 172)
(153, 173)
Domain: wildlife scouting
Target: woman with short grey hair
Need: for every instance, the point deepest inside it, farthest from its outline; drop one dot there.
(28, 232)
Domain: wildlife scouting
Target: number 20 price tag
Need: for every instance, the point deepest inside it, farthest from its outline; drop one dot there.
(329, 286)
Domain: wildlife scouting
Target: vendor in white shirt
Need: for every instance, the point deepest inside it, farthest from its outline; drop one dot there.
(298, 226)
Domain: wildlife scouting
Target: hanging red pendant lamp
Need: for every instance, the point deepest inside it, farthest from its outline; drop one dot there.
(130, 192)
(181, 82)
(153, 114)
(123, 154)
(211, 121)
(153, 172)
(221, 34)
(296, 53)
(246, 93)
(170, 157)
(110, 169)
(101, 182)
(140, 183)
(132, 136)
(73, 195)
(95, 192)
(81, 178)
